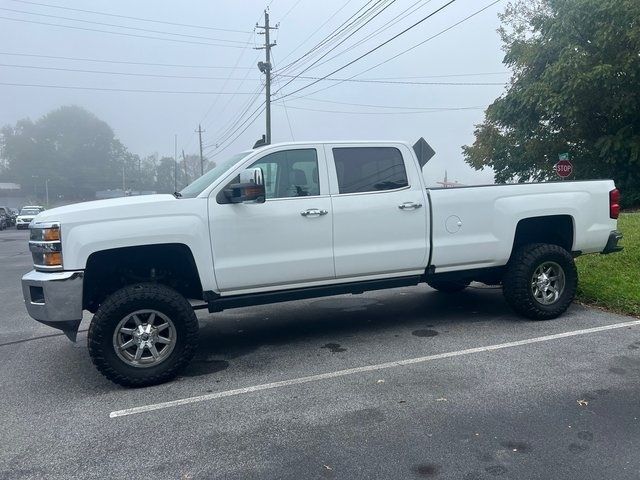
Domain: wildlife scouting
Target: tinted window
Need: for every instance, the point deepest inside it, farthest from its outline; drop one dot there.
(290, 173)
(369, 169)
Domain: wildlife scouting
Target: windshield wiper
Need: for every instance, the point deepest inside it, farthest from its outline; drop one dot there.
(177, 194)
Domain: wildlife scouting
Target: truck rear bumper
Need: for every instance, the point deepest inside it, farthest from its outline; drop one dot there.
(612, 244)
(55, 299)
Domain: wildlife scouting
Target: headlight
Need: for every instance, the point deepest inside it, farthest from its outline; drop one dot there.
(45, 246)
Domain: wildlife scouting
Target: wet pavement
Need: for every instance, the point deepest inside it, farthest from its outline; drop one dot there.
(404, 383)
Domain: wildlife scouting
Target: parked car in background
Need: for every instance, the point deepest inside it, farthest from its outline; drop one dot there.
(27, 214)
(14, 213)
(7, 217)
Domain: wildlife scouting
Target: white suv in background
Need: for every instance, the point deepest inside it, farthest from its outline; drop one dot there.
(27, 214)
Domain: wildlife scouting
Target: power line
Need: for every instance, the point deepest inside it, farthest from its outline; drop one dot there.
(121, 26)
(441, 32)
(215, 101)
(390, 82)
(286, 111)
(448, 75)
(118, 33)
(318, 29)
(350, 30)
(394, 107)
(224, 131)
(103, 72)
(398, 18)
(129, 17)
(105, 89)
(230, 99)
(352, 33)
(256, 114)
(342, 28)
(477, 12)
(289, 11)
(123, 62)
(230, 129)
(408, 112)
(224, 107)
(450, 2)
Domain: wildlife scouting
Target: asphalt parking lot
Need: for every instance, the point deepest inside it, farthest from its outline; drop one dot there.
(405, 383)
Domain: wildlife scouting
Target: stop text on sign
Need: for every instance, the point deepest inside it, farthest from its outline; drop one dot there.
(563, 168)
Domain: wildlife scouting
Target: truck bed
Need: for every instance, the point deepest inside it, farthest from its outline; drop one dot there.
(474, 227)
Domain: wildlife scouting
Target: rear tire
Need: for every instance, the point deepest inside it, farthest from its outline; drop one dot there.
(448, 286)
(143, 335)
(540, 282)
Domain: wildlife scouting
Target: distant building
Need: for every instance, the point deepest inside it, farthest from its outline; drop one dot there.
(9, 187)
(118, 192)
(11, 195)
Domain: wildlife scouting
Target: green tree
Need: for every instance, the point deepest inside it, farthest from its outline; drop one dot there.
(165, 172)
(190, 168)
(575, 88)
(71, 148)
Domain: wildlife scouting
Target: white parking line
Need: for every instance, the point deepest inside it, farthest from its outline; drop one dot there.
(364, 369)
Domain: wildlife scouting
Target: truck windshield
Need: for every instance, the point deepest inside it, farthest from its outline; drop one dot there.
(199, 185)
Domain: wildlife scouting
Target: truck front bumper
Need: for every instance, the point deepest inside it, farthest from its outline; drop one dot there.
(55, 299)
(612, 244)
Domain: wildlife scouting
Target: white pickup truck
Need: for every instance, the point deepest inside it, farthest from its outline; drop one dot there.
(300, 220)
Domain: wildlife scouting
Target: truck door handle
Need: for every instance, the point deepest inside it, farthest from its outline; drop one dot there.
(313, 212)
(409, 206)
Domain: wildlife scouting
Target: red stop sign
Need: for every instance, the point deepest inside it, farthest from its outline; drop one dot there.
(564, 168)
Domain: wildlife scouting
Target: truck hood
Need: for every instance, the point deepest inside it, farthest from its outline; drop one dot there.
(110, 209)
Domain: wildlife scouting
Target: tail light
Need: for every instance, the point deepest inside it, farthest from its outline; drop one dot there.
(614, 203)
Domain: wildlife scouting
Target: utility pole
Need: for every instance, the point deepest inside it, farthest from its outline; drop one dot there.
(201, 157)
(186, 172)
(175, 163)
(46, 187)
(265, 67)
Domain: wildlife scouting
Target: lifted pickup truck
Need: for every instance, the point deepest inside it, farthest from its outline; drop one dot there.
(300, 220)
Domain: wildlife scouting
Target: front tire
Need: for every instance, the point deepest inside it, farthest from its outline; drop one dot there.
(143, 335)
(540, 282)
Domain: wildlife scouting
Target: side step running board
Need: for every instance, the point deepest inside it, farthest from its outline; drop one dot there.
(216, 303)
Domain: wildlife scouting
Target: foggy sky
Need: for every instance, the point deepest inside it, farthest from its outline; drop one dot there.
(146, 122)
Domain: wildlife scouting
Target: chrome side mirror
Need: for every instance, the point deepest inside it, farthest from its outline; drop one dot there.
(250, 189)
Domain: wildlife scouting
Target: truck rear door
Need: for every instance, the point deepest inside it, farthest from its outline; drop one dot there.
(379, 210)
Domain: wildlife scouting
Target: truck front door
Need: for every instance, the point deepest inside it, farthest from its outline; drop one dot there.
(285, 240)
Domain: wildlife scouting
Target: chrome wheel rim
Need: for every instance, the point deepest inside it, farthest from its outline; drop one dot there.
(547, 283)
(144, 338)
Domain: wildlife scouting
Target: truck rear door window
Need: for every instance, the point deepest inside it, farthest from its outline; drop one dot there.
(369, 169)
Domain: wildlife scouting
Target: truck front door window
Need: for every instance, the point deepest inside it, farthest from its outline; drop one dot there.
(290, 173)
(369, 169)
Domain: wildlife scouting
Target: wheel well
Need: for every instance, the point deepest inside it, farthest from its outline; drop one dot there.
(553, 229)
(169, 264)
